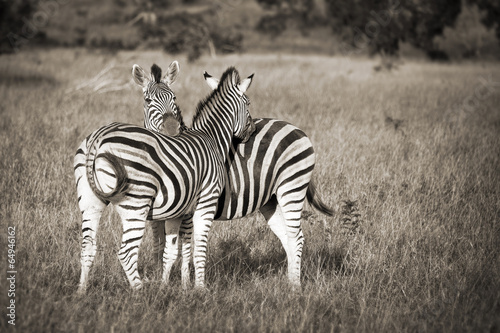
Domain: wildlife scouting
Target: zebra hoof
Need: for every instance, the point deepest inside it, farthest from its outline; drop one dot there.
(200, 287)
(295, 286)
(82, 290)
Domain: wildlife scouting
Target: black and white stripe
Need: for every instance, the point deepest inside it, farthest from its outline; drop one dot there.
(150, 176)
(271, 172)
(159, 99)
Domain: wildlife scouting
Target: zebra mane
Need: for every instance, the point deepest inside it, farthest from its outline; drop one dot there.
(156, 73)
(225, 80)
(180, 119)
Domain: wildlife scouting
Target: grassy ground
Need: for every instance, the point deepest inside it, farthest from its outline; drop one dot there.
(414, 177)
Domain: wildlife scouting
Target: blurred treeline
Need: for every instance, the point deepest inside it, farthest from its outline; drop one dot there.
(439, 29)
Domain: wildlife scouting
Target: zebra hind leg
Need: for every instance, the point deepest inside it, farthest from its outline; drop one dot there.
(283, 215)
(276, 221)
(171, 249)
(91, 216)
(91, 207)
(158, 228)
(134, 224)
(159, 239)
(291, 209)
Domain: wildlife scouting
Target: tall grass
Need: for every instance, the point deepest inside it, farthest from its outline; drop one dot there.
(414, 245)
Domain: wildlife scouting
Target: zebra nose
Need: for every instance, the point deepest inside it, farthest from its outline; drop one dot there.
(171, 126)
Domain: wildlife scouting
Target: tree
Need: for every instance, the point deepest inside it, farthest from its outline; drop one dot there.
(193, 30)
(15, 26)
(374, 26)
(381, 25)
(428, 19)
(492, 17)
(304, 14)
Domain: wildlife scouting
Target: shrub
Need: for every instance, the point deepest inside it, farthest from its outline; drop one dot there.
(14, 29)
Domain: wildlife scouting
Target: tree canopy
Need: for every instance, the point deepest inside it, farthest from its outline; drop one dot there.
(376, 26)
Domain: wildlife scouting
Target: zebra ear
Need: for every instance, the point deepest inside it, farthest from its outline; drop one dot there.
(140, 76)
(172, 73)
(245, 84)
(210, 80)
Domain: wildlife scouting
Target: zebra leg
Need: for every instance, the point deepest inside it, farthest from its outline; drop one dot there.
(202, 222)
(185, 233)
(91, 207)
(171, 247)
(158, 228)
(134, 224)
(91, 214)
(272, 213)
(159, 239)
(291, 209)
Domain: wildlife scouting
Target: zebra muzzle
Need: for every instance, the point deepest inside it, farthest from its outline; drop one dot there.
(171, 125)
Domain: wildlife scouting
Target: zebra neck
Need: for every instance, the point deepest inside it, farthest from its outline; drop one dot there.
(179, 118)
(215, 115)
(218, 126)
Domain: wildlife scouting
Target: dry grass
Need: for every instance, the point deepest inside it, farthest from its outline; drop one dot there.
(415, 183)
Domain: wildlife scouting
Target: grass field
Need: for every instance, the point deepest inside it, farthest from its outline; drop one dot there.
(409, 159)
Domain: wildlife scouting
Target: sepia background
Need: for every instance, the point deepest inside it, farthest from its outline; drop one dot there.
(400, 99)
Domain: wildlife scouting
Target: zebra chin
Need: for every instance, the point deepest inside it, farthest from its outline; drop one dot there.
(170, 126)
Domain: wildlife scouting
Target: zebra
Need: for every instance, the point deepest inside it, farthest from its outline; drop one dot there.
(159, 99)
(150, 176)
(271, 172)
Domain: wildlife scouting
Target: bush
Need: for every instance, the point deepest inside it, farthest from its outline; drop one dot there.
(272, 24)
(191, 33)
(14, 24)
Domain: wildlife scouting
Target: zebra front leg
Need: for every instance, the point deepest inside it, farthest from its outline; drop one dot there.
(186, 231)
(134, 224)
(171, 250)
(202, 222)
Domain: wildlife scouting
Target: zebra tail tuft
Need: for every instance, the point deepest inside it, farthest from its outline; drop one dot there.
(315, 200)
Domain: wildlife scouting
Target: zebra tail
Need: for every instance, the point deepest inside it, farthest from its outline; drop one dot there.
(315, 200)
(118, 170)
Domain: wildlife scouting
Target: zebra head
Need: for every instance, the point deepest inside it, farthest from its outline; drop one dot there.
(244, 124)
(248, 128)
(159, 99)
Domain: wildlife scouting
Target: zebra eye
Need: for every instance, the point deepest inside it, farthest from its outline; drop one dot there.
(148, 100)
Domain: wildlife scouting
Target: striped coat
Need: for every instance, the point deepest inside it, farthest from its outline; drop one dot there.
(272, 173)
(149, 176)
